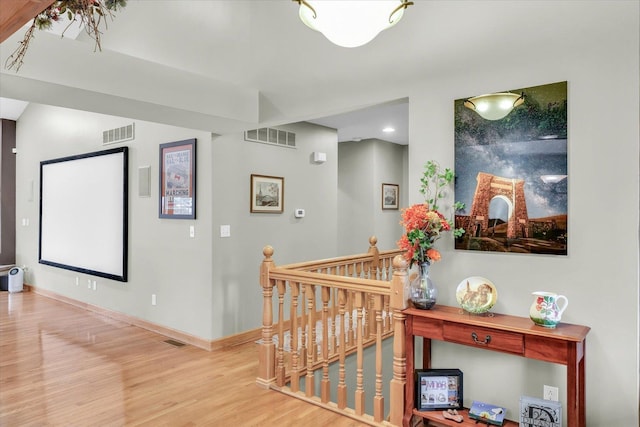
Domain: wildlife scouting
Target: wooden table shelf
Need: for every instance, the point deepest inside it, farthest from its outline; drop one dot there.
(436, 419)
(515, 335)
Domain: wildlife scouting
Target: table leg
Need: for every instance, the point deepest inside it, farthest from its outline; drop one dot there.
(576, 414)
(409, 388)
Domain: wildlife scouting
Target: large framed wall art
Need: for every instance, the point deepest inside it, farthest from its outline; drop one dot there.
(84, 213)
(511, 172)
(178, 179)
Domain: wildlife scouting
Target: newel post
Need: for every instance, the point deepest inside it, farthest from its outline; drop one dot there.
(267, 350)
(375, 255)
(397, 304)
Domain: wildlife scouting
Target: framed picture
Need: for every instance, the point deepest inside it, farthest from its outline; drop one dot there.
(540, 412)
(178, 179)
(390, 196)
(438, 389)
(267, 194)
(512, 175)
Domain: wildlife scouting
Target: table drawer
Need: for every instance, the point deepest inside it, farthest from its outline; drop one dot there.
(487, 338)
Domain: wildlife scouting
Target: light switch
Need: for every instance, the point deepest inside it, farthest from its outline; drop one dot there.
(192, 231)
(225, 231)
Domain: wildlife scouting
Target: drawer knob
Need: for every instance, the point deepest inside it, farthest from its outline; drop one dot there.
(487, 339)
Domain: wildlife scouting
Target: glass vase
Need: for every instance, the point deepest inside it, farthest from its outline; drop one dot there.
(423, 291)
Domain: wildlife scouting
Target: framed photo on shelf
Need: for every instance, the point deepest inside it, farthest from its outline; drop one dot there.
(178, 179)
(540, 412)
(267, 194)
(438, 389)
(390, 196)
(487, 413)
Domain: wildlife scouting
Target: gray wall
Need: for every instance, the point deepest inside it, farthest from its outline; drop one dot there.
(163, 259)
(206, 286)
(599, 275)
(237, 305)
(362, 169)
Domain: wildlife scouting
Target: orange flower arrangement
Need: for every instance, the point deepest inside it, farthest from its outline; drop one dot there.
(423, 223)
(422, 228)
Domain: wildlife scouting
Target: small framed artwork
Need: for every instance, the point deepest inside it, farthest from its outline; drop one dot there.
(178, 179)
(438, 389)
(390, 196)
(540, 412)
(267, 194)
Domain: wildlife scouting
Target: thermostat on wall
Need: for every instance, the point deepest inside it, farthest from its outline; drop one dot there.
(299, 213)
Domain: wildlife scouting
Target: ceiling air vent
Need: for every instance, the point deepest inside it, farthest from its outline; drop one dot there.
(271, 136)
(113, 136)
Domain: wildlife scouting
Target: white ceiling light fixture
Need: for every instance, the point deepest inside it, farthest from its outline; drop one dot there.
(494, 106)
(388, 129)
(351, 23)
(552, 179)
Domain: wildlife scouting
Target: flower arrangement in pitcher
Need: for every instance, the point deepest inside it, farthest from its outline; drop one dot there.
(423, 223)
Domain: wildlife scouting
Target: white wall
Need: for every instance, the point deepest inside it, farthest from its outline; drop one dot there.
(600, 273)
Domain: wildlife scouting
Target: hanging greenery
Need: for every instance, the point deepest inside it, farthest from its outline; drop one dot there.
(91, 14)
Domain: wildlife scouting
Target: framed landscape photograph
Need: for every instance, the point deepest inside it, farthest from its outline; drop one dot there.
(512, 174)
(390, 196)
(267, 194)
(178, 179)
(438, 389)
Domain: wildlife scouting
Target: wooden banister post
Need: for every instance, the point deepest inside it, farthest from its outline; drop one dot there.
(267, 351)
(398, 303)
(373, 274)
(375, 262)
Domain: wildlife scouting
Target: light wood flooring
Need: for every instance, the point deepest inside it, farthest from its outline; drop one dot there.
(63, 366)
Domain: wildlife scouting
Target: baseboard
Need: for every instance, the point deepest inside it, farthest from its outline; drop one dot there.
(209, 345)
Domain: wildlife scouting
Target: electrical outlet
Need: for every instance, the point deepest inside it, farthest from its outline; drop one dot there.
(550, 393)
(192, 231)
(153, 299)
(77, 280)
(88, 283)
(95, 285)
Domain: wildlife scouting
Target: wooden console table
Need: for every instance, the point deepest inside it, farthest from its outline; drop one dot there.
(564, 344)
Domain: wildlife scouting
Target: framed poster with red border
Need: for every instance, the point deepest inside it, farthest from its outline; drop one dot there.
(178, 179)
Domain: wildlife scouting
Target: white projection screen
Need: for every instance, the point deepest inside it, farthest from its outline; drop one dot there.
(84, 212)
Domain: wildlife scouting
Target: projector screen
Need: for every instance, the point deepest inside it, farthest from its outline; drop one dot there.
(84, 212)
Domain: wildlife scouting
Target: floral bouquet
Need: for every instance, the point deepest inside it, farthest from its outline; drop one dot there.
(422, 228)
(423, 223)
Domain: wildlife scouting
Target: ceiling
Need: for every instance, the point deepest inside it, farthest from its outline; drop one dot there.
(226, 66)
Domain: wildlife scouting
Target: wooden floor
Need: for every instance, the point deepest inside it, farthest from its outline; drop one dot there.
(64, 366)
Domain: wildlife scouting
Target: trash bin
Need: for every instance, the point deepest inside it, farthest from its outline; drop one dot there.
(16, 279)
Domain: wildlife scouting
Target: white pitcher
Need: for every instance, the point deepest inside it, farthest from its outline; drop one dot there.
(545, 311)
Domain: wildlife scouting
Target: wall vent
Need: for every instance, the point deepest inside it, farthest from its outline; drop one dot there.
(113, 136)
(271, 136)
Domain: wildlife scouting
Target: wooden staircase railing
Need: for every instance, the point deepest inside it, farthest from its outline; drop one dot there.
(329, 310)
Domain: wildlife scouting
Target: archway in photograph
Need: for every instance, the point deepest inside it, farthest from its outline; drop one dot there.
(509, 190)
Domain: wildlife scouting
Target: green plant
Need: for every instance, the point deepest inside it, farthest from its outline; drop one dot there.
(423, 223)
(434, 182)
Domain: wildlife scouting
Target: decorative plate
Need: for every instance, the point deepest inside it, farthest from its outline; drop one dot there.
(476, 294)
